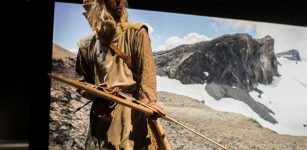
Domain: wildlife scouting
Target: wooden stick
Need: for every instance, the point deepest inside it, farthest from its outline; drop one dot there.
(105, 95)
(199, 134)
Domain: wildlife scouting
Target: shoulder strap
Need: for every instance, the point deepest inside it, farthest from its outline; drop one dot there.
(120, 53)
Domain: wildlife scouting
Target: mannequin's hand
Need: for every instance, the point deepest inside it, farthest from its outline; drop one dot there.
(104, 87)
(159, 110)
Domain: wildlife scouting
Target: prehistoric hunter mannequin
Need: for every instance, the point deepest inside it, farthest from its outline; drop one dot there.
(114, 126)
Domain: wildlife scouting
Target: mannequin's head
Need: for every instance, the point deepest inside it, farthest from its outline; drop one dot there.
(105, 15)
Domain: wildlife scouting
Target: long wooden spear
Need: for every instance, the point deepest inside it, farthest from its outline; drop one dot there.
(140, 106)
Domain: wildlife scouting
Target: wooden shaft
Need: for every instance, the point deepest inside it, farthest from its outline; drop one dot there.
(162, 135)
(102, 94)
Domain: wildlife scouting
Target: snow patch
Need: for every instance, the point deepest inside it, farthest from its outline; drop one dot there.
(286, 97)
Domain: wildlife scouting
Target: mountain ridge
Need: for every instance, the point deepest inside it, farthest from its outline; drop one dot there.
(235, 60)
(58, 52)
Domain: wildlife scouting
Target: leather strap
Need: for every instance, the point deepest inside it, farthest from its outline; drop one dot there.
(116, 50)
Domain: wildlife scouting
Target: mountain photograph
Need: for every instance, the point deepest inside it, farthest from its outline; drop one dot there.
(240, 83)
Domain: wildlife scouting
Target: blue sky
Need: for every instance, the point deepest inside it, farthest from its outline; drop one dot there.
(70, 25)
(168, 30)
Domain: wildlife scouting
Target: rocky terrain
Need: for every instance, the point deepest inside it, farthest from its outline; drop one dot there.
(63, 61)
(68, 130)
(234, 131)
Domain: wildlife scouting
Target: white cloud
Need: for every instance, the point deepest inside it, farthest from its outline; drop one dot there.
(225, 24)
(285, 37)
(190, 38)
(73, 50)
(150, 28)
(215, 26)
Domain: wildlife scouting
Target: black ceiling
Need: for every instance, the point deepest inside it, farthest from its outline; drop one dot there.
(292, 12)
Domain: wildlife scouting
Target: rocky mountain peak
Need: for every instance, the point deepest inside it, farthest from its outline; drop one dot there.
(234, 60)
(292, 54)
